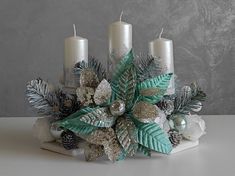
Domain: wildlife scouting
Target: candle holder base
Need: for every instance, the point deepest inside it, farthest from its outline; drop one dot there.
(56, 147)
(185, 145)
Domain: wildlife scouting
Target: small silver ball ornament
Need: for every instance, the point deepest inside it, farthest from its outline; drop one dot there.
(178, 122)
(117, 108)
(55, 131)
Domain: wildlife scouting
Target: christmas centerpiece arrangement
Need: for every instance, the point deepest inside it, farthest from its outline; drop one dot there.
(132, 108)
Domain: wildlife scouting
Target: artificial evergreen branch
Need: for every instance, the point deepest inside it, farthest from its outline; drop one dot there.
(188, 101)
(93, 64)
(149, 67)
(49, 101)
(37, 92)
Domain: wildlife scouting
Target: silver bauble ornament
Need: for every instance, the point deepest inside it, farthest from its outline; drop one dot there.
(55, 131)
(178, 122)
(117, 108)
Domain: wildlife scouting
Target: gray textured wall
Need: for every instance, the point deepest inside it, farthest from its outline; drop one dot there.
(32, 34)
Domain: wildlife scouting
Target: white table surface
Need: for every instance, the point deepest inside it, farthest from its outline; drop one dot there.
(20, 155)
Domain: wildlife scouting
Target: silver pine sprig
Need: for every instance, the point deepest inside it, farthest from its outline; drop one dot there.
(93, 64)
(189, 101)
(37, 92)
(50, 101)
(148, 67)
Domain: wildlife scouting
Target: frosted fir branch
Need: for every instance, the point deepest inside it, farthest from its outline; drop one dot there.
(188, 101)
(148, 67)
(50, 101)
(97, 67)
(37, 91)
(93, 64)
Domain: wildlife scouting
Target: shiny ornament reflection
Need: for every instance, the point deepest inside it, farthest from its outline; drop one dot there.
(178, 122)
(117, 108)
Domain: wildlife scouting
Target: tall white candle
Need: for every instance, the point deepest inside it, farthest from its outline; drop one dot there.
(163, 49)
(120, 42)
(75, 50)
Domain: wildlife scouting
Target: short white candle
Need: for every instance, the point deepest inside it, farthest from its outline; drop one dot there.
(75, 50)
(163, 49)
(120, 41)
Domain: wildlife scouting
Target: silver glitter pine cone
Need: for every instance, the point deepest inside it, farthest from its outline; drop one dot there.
(167, 106)
(88, 78)
(175, 137)
(69, 140)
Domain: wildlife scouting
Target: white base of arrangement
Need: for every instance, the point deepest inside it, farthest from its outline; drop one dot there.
(57, 148)
(184, 145)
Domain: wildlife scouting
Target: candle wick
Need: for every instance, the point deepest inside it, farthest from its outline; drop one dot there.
(120, 18)
(74, 30)
(160, 35)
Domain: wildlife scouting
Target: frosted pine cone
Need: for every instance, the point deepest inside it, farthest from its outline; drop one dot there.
(69, 140)
(175, 137)
(167, 106)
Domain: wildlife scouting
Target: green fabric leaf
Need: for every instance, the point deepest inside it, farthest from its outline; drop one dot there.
(127, 135)
(73, 122)
(122, 65)
(77, 126)
(148, 67)
(99, 117)
(124, 87)
(160, 81)
(152, 90)
(153, 137)
(146, 151)
(80, 112)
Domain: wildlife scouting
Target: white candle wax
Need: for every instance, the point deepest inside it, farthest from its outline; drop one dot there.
(75, 50)
(120, 42)
(163, 49)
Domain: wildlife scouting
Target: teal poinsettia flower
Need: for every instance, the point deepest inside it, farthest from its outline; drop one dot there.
(119, 115)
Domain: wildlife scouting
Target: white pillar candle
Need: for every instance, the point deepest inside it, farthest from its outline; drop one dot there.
(120, 42)
(163, 49)
(75, 50)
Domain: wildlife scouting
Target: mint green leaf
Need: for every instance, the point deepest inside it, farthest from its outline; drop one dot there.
(152, 90)
(124, 87)
(146, 151)
(74, 124)
(79, 113)
(99, 117)
(160, 81)
(77, 126)
(153, 137)
(122, 65)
